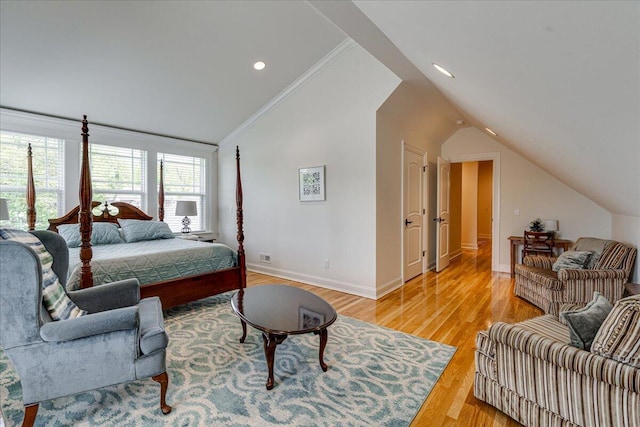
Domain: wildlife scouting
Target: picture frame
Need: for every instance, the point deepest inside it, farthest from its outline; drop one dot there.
(309, 319)
(311, 184)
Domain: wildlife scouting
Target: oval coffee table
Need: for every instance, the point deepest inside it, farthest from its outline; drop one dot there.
(279, 311)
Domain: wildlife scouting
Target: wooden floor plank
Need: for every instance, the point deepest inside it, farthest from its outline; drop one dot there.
(448, 307)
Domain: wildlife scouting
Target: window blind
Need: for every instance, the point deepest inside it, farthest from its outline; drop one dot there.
(119, 174)
(184, 179)
(48, 177)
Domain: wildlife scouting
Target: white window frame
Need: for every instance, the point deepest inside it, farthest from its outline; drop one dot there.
(69, 130)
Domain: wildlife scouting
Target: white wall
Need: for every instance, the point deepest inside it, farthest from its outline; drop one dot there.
(418, 121)
(331, 121)
(627, 229)
(534, 192)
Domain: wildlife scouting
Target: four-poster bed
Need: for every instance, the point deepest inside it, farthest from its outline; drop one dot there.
(172, 292)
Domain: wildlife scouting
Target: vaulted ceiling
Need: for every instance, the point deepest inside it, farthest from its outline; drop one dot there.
(558, 81)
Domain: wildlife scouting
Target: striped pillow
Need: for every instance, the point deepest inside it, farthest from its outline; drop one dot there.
(612, 257)
(58, 304)
(619, 336)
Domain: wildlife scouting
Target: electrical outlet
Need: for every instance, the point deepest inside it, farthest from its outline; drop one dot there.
(265, 257)
(516, 211)
(326, 264)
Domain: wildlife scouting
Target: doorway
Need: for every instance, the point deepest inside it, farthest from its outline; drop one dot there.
(483, 234)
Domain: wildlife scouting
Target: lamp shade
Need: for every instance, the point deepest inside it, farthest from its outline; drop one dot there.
(551, 225)
(186, 208)
(4, 209)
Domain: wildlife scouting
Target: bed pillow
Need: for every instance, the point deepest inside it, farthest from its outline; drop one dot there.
(572, 259)
(102, 233)
(584, 323)
(135, 230)
(619, 336)
(55, 299)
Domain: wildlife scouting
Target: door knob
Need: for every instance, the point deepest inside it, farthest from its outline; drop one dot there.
(407, 222)
(438, 219)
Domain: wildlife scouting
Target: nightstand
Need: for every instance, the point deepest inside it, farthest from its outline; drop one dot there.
(199, 237)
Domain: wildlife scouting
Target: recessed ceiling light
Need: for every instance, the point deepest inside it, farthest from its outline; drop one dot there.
(443, 70)
(259, 66)
(491, 132)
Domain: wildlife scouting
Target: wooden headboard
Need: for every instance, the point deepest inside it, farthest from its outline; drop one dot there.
(126, 211)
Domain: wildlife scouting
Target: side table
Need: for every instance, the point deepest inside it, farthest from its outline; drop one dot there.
(631, 289)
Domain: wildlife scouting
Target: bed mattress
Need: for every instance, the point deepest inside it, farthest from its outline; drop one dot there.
(151, 261)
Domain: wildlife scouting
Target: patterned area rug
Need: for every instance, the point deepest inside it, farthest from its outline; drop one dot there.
(376, 376)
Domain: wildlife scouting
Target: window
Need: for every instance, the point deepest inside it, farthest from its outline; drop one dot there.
(184, 179)
(48, 177)
(119, 174)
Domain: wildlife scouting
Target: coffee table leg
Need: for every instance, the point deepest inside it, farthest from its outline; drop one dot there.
(270, 342)
(323, 343)
(244, 331)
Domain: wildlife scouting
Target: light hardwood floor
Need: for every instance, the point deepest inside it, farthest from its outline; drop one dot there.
(448, 307)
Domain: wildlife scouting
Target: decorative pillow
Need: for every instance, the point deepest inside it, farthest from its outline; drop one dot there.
(572, 260)
(58, 304)
(102, 233)
(105, 233)
(585, 322)
(135, 230)
(71, 234)
(619, 335)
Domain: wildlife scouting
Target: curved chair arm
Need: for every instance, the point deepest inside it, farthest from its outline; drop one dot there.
(570, 274)
(120, 319)
(108, 296)
(538, 261)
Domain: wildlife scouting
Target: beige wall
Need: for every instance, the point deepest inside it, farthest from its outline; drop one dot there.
(455, 203)
(485, 188)
(469, 206)
(533, 192)
(409, 117)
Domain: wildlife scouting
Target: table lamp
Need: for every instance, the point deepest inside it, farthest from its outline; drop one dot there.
(551, 225)
(4, 209)
(186, 208)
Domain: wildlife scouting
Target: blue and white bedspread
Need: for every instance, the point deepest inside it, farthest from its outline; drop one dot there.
(151, 261)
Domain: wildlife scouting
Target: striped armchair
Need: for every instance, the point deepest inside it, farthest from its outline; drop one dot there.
(528, 371)
(610, 267)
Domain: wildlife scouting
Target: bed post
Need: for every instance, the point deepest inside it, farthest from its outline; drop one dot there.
(239, 219)
(161, 194)
(86, 253)
(31, 192)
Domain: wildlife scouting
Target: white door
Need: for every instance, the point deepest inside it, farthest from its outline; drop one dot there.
(413, 211)
(442, 207)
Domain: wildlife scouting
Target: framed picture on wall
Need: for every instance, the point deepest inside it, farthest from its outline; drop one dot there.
(311, 184)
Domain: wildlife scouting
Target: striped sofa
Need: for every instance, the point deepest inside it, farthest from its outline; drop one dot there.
(528, 371)
(610, 267)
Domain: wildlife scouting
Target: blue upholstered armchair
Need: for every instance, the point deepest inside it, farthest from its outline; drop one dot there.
(121, 339)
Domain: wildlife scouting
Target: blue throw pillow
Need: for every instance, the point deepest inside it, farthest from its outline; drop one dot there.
(584, 323)
(102, 233)
(576, 260)
(135, 230)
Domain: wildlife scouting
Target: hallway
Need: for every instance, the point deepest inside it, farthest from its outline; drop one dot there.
(449, 307)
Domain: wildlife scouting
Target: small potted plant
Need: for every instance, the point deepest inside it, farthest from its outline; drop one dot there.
(536, 225)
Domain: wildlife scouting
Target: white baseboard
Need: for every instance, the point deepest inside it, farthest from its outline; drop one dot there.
(470, 246)
(454, 255)
(321, 282)
(504, 268)
(389, 287)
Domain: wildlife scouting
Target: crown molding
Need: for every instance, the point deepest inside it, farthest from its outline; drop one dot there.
(316, 69)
